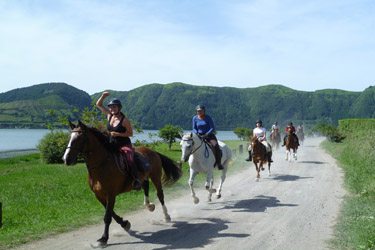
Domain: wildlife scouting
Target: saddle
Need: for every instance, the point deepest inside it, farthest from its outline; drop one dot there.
(142, 163)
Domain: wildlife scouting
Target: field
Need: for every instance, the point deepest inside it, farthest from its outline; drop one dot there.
(40, 199)
(356, 156)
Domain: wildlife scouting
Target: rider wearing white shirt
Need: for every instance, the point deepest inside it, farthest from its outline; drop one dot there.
(274, 127)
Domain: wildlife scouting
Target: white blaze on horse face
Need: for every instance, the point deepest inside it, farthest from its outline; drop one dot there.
(73, 135)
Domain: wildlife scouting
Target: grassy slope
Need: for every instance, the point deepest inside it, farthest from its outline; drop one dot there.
(40, 200)
(356, 225)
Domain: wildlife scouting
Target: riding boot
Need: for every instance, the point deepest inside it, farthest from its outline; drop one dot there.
(284, 142)
(218, 157)
(269, 157)
(249, 158)
(136, 183)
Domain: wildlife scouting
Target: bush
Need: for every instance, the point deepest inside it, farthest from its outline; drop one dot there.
(52, 146)
(332, 133)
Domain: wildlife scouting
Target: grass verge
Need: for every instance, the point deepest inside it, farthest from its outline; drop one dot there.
(355, 228)
(40, 199)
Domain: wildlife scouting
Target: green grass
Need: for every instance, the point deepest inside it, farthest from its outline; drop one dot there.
(356, 224)
(40, 200)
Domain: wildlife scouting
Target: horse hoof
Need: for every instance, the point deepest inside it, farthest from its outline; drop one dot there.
(218, 196)
(167, 218)
(196, 200)
(126, 225)
(256, 179)
(151, 207)
(207, 187)
(209, 200)
(99, 244)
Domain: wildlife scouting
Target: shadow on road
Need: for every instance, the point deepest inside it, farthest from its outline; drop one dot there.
(313, 162)
(288, 177)
(257, 205)
(185, 235)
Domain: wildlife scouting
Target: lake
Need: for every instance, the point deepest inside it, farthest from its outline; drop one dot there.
(25, 139)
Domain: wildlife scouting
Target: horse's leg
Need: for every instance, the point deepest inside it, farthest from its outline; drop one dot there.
(193, 174)
(295, 154)
(109, 204)
(209, 184)
(269, 168)
(146, 188)
(286, 156)
(222, 179)
(257, 169)
(160, 194)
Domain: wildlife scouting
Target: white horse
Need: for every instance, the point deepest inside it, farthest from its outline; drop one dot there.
(202, 160)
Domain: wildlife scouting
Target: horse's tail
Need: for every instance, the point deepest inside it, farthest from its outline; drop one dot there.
(172, 172)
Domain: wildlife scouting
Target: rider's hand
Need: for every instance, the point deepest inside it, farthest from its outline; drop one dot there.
(113, 133)
(105, 94)
(205, 136)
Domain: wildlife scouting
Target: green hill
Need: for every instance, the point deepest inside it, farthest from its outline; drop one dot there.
(30, 107)
(154, 105)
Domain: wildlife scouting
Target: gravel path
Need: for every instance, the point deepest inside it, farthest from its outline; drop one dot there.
(294, 208)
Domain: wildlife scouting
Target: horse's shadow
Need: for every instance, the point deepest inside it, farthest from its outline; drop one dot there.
(185, 235)
(288, 177)
(312, 162)
(256, 205)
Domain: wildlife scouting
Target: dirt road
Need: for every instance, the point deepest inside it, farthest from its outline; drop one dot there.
(294, 208)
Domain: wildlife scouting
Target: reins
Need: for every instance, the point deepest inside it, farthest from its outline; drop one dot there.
(206, 152)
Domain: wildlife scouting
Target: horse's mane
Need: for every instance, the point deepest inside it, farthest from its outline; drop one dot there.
(103, 138)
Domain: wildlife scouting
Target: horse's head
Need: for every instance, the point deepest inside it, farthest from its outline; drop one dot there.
(77, 143)
(290, 130)
(253, 141)
(187, 142)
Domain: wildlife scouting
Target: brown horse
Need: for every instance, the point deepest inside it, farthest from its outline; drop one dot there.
(275, 139)
(259, 155)
(107, 181)
(291, 144)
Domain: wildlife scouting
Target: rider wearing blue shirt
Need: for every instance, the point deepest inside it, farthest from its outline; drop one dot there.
(204, 127)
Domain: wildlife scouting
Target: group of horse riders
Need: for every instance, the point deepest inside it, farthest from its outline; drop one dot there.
(120, 131)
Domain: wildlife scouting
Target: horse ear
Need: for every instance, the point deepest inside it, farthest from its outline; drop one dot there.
(181, 134)
(81, 124)
(72, 126)
(191, 134)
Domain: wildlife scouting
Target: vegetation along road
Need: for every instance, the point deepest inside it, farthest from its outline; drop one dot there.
(294, 208)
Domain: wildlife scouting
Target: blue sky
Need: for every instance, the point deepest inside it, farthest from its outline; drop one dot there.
(106, 44)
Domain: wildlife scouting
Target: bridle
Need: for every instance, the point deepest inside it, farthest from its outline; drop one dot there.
(206, 153)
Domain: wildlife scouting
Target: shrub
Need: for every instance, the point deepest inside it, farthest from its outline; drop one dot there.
(52, 146)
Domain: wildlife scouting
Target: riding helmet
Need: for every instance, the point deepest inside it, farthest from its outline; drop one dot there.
(200, 107)
(290, 123)
(258, 121)
(114, 101)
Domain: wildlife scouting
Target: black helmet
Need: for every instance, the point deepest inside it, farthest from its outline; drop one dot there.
(259, 121)
(275, 122)
(200, 107)
(290, 123)
(114, 101)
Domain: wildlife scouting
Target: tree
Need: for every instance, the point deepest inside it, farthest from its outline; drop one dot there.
(243, 133)
(169, 134)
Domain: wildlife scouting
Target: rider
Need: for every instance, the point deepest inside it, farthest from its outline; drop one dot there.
(204, 127)
(260, 132)
(290, 125)
(300, 128)
(275, 126)
(120, 130)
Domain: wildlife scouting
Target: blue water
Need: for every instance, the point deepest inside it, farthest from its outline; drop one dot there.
(22, 139)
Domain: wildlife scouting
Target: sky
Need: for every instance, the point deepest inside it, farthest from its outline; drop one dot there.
(120, 45)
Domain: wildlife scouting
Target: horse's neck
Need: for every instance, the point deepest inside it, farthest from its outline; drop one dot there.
(201, 149)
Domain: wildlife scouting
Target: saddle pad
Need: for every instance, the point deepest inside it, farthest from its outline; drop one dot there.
(143, 164)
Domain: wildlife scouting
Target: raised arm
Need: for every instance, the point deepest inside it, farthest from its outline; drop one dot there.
(100, 105)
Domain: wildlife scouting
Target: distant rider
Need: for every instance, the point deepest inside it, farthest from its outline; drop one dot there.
(293, 130)
(260, 132)
(204, 127)
(275, 127)
(120, 130)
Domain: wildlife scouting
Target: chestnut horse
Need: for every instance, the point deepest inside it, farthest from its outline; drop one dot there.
(275, 139)
(107, 181)
(259, 155)
(291, 144)
(301, 136)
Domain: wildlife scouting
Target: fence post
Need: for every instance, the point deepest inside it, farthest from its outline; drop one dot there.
(240, 149)
(1, 213)
(233, 152)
